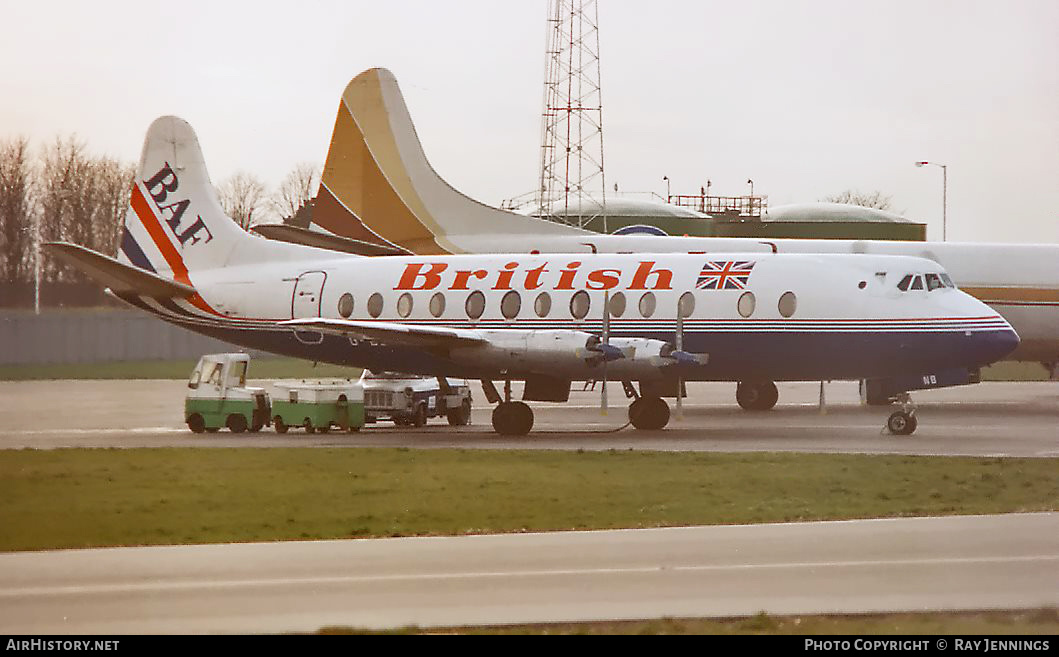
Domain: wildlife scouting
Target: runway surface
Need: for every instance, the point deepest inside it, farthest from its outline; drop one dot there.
(954, 563)
(988, 419)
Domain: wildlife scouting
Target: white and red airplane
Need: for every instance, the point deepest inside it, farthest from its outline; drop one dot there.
(655, 319)
(379, 191)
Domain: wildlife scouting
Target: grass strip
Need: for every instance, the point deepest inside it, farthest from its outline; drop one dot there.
(973, 624)
(77, 498)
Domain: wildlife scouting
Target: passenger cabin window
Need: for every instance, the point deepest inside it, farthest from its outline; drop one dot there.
(510, 305)
(747, 303)
(437, 304)
(542, 305)
(580, 304)
(648, 304)
(686, 305)
(475, 305)
(404, 305)
(375, 305)
(788, 304)
(617, 304)
(345, 305)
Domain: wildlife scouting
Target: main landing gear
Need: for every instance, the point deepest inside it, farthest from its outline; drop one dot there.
(903, 422)
(649, 413)
(515, 418)
(512, 418)
(756, 396)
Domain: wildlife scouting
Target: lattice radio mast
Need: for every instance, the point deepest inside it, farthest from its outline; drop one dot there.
(572, 187)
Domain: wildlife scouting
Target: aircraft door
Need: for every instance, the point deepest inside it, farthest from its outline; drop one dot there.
(308, 290)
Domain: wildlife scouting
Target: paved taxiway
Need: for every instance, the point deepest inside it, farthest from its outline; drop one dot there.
(955, 563)
(989, 419)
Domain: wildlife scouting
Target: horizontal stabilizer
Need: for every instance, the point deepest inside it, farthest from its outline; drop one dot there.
(115, 275)
(391, 333)
(306, 237)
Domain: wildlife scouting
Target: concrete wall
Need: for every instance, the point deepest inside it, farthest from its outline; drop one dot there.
(96, 335)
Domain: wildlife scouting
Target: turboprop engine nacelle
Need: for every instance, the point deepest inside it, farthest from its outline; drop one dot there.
(648, 359)
(571, 353)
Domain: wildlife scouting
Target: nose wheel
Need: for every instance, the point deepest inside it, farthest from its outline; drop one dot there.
(903, 422)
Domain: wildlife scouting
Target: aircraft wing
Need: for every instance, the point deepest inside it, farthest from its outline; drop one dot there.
(306, 237)
(115, 275)
(391, 333)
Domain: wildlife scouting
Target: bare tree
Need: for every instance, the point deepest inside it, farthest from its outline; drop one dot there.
(241, 196)
(16, 210)
(297, 189)
(82, 199)
(111, 186)
(62, 188)
(876, 199)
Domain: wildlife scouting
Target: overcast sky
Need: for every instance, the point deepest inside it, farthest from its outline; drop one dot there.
(806, 97)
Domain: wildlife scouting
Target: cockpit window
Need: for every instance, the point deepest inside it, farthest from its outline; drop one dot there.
(934, 282)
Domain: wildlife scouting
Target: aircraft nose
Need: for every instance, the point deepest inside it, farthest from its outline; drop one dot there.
(994, 345)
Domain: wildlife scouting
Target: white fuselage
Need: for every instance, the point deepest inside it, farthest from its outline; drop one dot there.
(754, 316)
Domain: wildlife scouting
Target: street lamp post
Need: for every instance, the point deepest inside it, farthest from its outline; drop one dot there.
(944, 196)
(36, 263)
(668, 194)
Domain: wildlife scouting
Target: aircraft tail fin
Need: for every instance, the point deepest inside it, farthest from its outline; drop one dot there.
(378, 186)
(174, 223)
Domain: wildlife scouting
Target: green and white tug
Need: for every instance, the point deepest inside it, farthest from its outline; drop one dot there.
(219, 397)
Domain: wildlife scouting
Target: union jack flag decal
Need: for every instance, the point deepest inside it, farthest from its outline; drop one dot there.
(725, 275)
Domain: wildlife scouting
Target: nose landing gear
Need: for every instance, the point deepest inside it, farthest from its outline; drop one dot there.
(903, 422)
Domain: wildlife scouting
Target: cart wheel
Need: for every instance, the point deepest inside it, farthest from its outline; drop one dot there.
(236, 423)
(196, 423)
(461, 416)
(279, 424)
(324, 428)
(308, 424)
(420, 417)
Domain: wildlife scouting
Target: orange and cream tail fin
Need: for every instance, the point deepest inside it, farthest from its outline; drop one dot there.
(378, 186)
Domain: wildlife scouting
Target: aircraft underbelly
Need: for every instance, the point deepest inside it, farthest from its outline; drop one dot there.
(792, 356)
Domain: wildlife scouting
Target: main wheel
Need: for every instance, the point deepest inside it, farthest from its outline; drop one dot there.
(756, 396)
(901, 423)
(512, 418)
(196, 423)
(236, 423)
(281, 426)
(649, 413)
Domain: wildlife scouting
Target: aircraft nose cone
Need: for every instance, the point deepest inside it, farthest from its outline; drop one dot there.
(995, 345)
